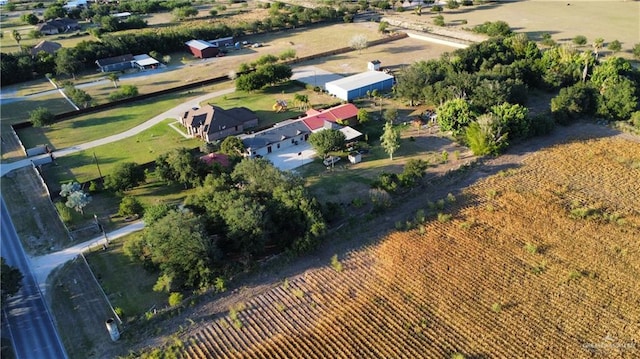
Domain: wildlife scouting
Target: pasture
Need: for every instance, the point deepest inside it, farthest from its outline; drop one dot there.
(563, 20)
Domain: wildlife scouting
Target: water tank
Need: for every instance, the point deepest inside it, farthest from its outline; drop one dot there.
(112, 327)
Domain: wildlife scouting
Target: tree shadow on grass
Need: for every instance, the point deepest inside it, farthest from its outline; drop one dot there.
(98, 121)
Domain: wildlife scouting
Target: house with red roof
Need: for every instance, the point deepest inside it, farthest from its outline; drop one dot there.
(287, 135)
(321, 119)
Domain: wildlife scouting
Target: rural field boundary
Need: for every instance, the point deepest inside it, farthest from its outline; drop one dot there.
(211, 81)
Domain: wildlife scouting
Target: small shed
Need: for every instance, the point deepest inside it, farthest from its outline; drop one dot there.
(202, 49)
(355, 157)
(352, 87)
(374, 65)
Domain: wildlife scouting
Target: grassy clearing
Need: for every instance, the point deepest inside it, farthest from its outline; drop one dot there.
(609, 20)
(127, 284)
(156, 191)
(98, 125)
(142, 148)
(35, 87)
(261, 102)
(16, 112)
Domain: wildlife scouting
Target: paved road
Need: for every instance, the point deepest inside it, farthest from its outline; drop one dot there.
(30, 325)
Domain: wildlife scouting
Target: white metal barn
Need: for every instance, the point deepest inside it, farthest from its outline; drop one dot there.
(355, 86)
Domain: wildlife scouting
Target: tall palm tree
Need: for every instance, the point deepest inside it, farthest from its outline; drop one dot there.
(597, 45)
(113, 77)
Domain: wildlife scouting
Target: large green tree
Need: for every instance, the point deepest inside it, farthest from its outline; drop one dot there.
(11, 281)
(513, 118)
(390, 139)
(454, 115)
(573, 102)
(54, 11)
(326, 141)
(180, 166)
(68, 62)
(184, 12)
(181, 248)
(232, 146)
(125, 176)
(485, 135)
(41, 117)
(259, 205)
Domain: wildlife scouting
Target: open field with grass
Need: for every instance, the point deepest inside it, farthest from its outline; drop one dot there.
(127, 284)
(610, 20)
(144, 147)
(533, 261)
(18, 111)
(94, 126)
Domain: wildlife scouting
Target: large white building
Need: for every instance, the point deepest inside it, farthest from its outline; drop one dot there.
(352, 87)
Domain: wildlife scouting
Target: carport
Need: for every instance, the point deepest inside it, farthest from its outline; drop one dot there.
(314, 76)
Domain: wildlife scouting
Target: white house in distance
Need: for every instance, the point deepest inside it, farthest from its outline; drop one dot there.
(352, 87)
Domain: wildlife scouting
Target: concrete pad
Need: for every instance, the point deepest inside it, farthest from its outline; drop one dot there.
(296, 156)
(314, 76)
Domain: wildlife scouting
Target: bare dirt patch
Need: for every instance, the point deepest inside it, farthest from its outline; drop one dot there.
(80, 312)
(33, 214)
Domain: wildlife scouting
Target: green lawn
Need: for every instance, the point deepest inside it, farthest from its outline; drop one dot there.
(144, 147)
(127, 284)
(101, 124)
(16, 112)
(262, 102)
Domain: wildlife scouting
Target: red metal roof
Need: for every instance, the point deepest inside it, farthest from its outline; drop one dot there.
(316, 120)
(220, 158)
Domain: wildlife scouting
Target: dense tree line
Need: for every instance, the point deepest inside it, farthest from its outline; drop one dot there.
(481, 91)
(233, 216)
(19, 67)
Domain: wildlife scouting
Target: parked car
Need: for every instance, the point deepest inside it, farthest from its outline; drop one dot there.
(330, 160)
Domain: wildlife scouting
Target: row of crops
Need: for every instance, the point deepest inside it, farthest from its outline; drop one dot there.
(511, 273)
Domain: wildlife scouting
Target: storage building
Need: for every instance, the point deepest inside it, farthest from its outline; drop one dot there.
(356, 86)
(202, 49)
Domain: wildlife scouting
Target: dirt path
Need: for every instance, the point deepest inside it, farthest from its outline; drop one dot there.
(348, 239)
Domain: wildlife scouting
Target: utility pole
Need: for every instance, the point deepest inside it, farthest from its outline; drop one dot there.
(97, 165)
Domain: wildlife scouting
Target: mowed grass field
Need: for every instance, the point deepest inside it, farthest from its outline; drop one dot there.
(537, 261)
(144, 147)
(607, 19)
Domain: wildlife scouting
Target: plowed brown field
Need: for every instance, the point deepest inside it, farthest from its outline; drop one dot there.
(536, 262)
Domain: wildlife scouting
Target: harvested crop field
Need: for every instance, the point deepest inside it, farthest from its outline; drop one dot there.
(537, 261)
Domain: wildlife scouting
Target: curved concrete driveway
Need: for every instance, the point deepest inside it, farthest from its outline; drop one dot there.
(175, 112)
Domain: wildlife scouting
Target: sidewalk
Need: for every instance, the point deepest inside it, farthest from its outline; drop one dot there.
(42, 266)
